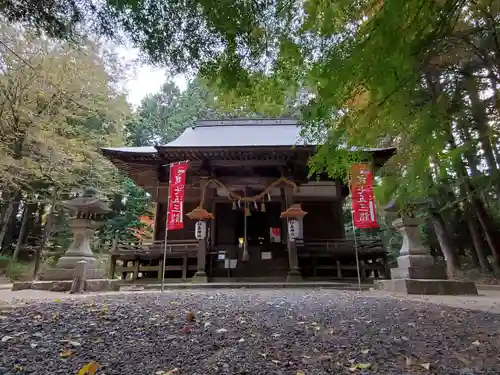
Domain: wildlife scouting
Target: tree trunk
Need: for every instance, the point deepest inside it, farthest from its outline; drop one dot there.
(478, 241)
(12, 224)
(38, 225)
(446, 244)
(471, 218)
(6, 220)
(481, 125)
(47, 230)
(28, 209)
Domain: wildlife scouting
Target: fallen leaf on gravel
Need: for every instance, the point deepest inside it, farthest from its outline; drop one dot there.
(360, 366)
(186, 330)
(58, 300)
(301, 373)
(427, 366)
(19, 368)
(413, 362)
(190, 316)
(66, 354)
(461, 358)
(89, 369)
(170, 372)
(410, 362)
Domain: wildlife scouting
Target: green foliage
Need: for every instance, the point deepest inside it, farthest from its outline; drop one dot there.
(17, 271)
(4, 261)
(369, 73)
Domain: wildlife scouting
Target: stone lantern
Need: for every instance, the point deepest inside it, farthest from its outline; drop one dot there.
(89, 214)
(291, 215)
(417, 272)
(200, 214)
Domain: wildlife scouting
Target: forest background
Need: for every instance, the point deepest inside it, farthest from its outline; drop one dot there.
(419, 75)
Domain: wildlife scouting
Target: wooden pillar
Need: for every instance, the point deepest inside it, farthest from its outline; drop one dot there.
(362, 269)
(184, 267)
(201, 276)
(160, 269)
(339, 269)
(293, 261)
(160, 222)
(112, 266)
(136, 269)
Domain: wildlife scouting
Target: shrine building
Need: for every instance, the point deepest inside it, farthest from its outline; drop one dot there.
(246, 173)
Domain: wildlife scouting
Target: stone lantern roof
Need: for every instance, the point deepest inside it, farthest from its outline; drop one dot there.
(88, 203)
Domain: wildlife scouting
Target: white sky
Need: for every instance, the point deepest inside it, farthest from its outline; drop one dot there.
(143, 79)
(148, 80)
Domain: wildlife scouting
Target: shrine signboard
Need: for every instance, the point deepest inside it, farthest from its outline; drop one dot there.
(176, 195)
(363, 201)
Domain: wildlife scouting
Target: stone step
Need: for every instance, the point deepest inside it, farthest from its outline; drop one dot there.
(247, 285)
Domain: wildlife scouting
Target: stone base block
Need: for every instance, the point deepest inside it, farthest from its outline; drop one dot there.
(433, 272)
(103, 285)
(21, 285)
(427, 287)
(199, 278)
(68, 261)
(294, 276)
(69, 274)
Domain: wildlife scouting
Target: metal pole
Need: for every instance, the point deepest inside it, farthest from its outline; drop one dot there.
(245, 248)
(355, 240)
(166, 233)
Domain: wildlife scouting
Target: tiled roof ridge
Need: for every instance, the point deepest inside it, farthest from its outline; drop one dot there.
(241, 121)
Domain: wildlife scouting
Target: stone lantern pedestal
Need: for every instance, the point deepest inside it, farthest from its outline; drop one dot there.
(83, 232)
(417, 272)
(89, 216)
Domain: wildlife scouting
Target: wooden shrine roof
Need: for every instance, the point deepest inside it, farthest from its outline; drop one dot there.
(232, 142)
(230, 139)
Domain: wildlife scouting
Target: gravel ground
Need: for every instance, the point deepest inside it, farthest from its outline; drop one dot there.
(254, 332)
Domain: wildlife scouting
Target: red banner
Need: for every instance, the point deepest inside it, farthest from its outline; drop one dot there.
(176, 195)
(363, 201)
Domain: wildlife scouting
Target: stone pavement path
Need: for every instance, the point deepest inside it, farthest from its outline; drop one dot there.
(288, 331)
(488, 300)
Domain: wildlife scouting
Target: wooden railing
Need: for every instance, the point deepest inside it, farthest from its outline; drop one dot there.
(337, 257)
(154, 248)
(341, 247)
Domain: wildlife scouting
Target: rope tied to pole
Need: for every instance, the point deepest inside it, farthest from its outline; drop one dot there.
(237, 197)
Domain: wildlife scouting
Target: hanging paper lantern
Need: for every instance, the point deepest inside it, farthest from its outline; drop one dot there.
(200, 213)
(294, 211)
(234, 205)
(262, 206)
